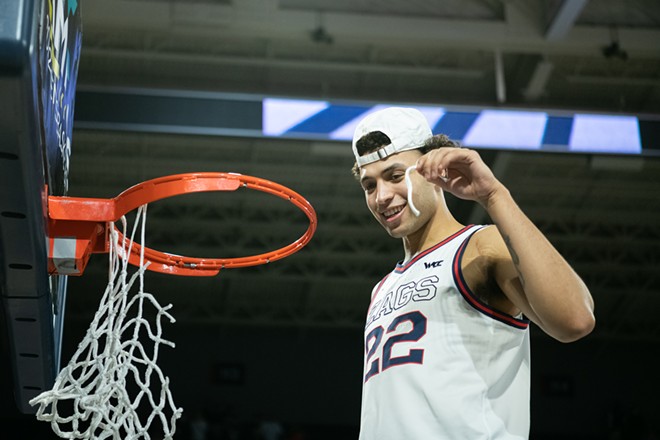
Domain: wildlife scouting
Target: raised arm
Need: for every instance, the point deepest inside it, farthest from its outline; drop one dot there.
(534, 276)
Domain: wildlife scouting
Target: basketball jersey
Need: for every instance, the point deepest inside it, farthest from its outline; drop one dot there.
(439, 362)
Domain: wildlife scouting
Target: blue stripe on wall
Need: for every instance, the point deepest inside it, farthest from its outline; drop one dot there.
(557, 130)
(329, 119)
(455, 124)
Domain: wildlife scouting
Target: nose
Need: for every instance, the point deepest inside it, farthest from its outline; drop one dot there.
(384, 195)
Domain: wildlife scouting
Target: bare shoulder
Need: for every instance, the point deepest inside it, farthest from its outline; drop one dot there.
(482, 252)
(488, 243)
(488, 250)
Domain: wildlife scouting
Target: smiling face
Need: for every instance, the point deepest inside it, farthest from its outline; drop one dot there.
(386, 194)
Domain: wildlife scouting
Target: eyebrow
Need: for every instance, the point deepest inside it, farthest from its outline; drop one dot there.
(386, 170)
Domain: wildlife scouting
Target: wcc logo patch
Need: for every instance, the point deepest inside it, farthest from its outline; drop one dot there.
(433, 264)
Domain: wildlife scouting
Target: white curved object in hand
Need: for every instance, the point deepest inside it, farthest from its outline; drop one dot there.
(410, 190)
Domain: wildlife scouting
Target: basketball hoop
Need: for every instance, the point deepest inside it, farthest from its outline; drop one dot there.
(114, 376)
(87, 220)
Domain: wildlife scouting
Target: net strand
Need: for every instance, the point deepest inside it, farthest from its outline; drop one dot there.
(107, 385)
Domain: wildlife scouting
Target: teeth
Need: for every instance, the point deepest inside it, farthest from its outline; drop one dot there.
(391, 212)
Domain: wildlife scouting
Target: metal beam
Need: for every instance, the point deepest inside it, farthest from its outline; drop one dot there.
(270, 61)
(564, 19)
(226, 23)
(500, 79)
(539, 79)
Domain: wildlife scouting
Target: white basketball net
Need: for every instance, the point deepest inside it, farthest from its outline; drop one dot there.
(112, 387)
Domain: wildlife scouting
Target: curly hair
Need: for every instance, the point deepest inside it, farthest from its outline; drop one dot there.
(376, 139)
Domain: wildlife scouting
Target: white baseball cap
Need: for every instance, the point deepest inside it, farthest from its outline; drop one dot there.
(407, 128)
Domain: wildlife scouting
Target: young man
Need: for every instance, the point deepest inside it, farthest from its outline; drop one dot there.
(447, 335)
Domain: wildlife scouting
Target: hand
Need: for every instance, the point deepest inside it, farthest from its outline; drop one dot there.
(460, 171)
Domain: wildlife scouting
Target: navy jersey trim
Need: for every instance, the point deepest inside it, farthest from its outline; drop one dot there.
(400, 268)
(475, 301)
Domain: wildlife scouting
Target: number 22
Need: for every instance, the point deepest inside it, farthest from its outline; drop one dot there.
(414, 356)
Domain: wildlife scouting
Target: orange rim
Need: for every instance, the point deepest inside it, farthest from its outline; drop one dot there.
(111, 210)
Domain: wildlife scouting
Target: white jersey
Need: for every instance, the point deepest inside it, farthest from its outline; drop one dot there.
(439, 362)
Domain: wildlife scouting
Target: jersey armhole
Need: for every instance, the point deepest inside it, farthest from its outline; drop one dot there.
(472, 299)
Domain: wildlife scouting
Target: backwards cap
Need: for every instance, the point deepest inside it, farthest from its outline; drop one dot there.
(407, 128)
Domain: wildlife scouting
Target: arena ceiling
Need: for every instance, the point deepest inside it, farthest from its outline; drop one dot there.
(602, 212)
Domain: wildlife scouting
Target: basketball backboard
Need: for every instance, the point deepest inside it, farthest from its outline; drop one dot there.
(40, 42)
